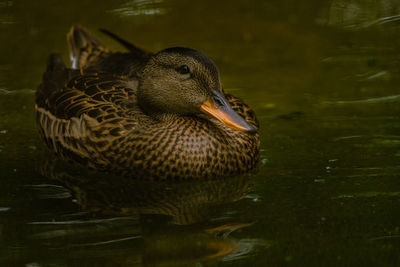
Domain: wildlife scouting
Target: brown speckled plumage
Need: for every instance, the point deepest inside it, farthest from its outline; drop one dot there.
(92, 115)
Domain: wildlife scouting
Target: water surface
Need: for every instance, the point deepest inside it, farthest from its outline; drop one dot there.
(323, 78)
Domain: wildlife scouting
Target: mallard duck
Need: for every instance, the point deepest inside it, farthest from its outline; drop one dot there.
(157, 115)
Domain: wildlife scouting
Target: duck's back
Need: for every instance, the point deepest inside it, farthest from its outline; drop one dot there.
(79, 114)
(83, 108)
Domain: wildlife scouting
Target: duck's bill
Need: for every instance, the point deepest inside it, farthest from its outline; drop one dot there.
(219, 108)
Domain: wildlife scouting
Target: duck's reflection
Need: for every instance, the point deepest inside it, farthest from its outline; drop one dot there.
(142, 221)
(185, 202)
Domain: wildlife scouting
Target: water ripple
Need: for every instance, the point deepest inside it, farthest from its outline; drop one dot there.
(14, 92)
(140, 7)
(94, 221)
(382, 20)
(366, 101)
(382, 139)
(368, 195)
(49, 191)
(109, 241)
(245, 247)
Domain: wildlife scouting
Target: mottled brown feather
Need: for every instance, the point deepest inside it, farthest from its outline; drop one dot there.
(92, 116)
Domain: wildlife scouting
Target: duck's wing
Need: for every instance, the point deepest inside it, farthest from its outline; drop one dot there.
(88, 53)
(81, 114)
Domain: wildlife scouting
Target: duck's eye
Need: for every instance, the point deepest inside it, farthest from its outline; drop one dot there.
(184, 69)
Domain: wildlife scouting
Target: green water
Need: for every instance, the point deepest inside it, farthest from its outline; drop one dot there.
(323, 78)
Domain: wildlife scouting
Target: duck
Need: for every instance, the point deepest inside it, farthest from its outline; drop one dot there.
(139, 114)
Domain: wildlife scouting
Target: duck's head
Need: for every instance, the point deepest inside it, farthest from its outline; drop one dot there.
(184, 81)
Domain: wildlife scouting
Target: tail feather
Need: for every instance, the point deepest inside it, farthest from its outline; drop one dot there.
(136, 51)
(84, 48)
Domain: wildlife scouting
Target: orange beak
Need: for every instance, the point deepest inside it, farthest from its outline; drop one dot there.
(218, 107)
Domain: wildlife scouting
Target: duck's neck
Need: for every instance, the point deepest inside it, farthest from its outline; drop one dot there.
(148, 107)
(165, 117)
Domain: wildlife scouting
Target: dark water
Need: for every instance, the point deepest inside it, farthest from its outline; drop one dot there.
(323, 77)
